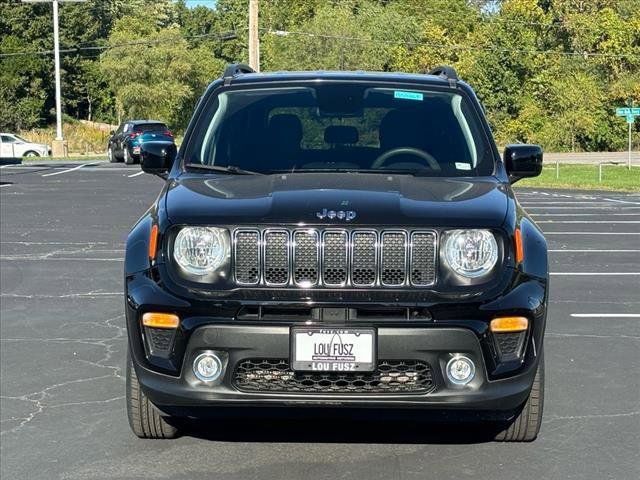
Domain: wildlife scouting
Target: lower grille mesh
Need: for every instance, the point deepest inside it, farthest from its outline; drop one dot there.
(390, 376)
(509, 344)
(160, 339)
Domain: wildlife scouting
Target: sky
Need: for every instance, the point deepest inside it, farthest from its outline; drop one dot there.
(195, 3)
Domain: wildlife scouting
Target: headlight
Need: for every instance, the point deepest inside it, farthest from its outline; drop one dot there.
(470, 253)
(201, 250)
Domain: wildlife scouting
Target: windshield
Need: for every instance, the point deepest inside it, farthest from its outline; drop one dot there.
(342, 127)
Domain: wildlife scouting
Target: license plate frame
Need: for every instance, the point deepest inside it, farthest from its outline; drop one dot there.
(340, 363)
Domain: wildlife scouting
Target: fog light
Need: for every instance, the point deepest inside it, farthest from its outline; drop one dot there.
(460, 370)
(207, 367)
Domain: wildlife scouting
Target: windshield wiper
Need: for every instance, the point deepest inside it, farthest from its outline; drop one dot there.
(421, 172)
(230, 169)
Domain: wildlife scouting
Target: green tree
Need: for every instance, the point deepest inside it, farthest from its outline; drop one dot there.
(153, 72)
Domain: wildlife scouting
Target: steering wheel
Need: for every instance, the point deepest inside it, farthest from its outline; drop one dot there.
(416, 152)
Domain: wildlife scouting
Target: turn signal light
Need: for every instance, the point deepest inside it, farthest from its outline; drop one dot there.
(153, 242)
(160, 320)
(509, 324)
(519, 249)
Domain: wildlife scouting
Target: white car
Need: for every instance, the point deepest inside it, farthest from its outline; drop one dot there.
(13, 146)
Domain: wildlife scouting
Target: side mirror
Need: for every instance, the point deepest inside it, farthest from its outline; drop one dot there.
(522, 161)
(157, 157)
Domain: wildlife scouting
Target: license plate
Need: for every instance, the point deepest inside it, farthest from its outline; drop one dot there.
(333, 349)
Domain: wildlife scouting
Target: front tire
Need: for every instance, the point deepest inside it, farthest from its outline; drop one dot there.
(526, 425)
(144, 419)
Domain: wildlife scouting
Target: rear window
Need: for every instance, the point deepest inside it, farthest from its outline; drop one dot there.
(149, 127)
(342, 127)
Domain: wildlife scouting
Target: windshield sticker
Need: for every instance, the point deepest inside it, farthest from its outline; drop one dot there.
(463, 166)
(408, 95)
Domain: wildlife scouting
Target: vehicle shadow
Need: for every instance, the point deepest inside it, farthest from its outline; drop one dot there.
(342, 426)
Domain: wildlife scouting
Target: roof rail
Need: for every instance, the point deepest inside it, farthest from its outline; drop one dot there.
(447, 72)
(234, 69)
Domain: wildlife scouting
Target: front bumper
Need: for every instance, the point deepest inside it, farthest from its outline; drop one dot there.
(431, 345)
(455, 327)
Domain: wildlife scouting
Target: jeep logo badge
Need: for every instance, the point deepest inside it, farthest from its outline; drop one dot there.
(347, 215)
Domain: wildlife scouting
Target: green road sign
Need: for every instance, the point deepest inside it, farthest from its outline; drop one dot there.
(625, 112)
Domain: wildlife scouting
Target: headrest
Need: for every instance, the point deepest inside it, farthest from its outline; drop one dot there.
(341, 134)
(286, 125)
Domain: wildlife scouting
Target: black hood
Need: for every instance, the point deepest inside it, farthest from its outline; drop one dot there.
(375, 199)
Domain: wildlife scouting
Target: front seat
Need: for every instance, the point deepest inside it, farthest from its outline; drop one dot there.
(284, 134)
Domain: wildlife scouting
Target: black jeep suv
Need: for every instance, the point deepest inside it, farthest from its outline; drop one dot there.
(337, 239)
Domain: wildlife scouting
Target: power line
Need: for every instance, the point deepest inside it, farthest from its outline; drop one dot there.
(224, 36)
(285, 33)
(493, 18)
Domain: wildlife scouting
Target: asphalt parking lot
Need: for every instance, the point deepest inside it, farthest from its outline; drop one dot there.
(63, 347)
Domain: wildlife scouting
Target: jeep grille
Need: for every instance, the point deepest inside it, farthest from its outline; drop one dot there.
(334, 258)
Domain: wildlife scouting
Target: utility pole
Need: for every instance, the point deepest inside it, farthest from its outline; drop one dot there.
(56, 57)
(58, 147)
(254, 39)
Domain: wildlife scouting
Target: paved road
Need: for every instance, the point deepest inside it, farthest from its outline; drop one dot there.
(63, 346)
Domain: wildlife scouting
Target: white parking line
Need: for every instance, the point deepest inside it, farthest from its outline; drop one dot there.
(594, 250)
(5, 185)
(586, 207)
(25, 167)
(9, 258)
(584, 215)
(587, 274)
(67, 170)
(135, 174)
(605, 315)
(620, 201)
(600, 202)
(587, 221)
(592, 233)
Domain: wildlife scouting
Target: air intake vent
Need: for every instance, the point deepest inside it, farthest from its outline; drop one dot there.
(423, 258)
(306, 249)
(247, 256)
(335, 267)
(276, 257)
(394, 258)
(365, 262)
